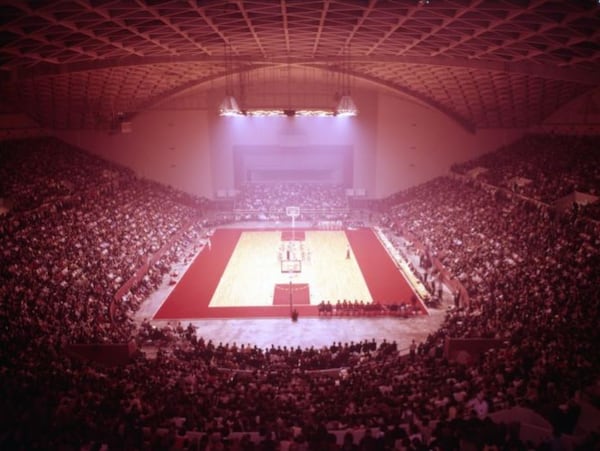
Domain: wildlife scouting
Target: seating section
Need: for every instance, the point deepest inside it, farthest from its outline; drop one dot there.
(542, 167)
(269, 200)
(70, 241)
(365, 309)
(80, 227)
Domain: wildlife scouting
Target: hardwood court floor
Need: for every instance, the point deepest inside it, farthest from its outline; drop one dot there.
(254, 268)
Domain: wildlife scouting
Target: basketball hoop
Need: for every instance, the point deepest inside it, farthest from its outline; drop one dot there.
(292, 212)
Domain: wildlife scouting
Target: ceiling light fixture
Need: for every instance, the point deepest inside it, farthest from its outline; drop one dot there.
(229, 105)
(346, 106)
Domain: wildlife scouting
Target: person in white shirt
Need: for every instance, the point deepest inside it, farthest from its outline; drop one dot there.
(479, 405)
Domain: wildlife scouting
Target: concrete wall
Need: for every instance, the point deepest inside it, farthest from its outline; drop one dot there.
(169, 147)
(416, 143)
(18, 125)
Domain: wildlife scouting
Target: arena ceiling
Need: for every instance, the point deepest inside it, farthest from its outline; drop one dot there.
(485, 63)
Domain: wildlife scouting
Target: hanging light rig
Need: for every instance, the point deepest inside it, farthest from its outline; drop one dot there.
(229, 105)
(346, 105)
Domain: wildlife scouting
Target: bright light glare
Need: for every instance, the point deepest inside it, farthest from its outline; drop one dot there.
(281, 113)
(265, 113)
(347, 107)
(315, 113)
(229, 107)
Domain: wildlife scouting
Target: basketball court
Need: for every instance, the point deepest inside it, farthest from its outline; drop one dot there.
(259, 265)
(243, 286)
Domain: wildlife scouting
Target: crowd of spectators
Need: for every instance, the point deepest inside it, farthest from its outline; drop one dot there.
(78, 229)
(271, 199)
(532, 275)
(542, 167)
(45, 171)
(361, 308)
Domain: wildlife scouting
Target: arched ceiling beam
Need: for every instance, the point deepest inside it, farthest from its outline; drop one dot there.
(286, 32)
(180, 89)
(521, 67)
(401, 89)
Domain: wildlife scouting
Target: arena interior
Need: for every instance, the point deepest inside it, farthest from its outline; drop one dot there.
(300, 225)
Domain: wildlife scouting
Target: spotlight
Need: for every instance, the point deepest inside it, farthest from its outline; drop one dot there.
(229, 107)
(346, 107)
